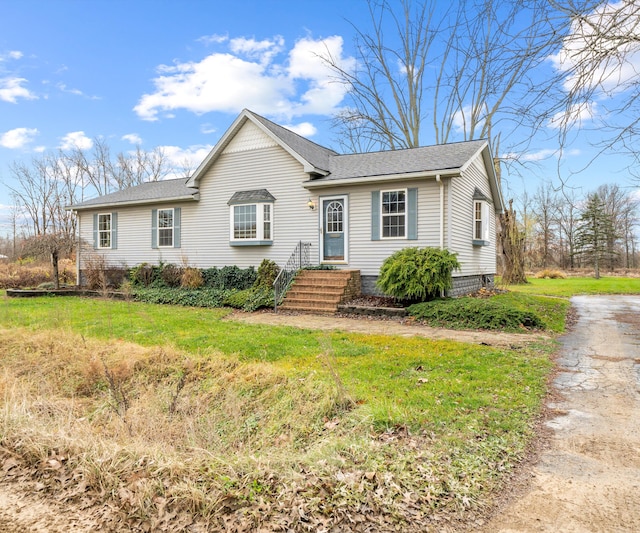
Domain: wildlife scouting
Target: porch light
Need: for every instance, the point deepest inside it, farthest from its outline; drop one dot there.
(311, 205)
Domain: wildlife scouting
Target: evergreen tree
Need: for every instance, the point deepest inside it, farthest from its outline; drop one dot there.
(594, 233)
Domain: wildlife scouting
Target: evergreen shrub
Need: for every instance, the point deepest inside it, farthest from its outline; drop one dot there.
(417, 274)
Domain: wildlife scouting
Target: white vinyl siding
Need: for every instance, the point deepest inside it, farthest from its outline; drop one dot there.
(202, 229)
(474, 259)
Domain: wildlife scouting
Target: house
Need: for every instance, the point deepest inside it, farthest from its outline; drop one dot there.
(262, 189)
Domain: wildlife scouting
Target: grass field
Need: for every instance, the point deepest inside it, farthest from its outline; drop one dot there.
(220, 411)
(573, 286)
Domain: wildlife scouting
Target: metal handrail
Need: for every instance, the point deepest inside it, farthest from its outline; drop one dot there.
(299, 258)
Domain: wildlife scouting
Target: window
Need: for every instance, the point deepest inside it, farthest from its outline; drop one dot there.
(251, 218)
(165, 227)
(266, 221)
(104, 230)
(480, 223)
(334, 217)
(394, 211)
(394, 214)
(252, 222)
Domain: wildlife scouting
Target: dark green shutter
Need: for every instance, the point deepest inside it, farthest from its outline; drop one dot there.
(114, 230)
(154, 228)
(95, 231)
(176, 227)
(412, 213)
(375, 215)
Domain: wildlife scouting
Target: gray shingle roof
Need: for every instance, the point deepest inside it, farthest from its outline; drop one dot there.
(429, 159)
(425, 159)
(248, 197)
(154, 191)
(317, 155)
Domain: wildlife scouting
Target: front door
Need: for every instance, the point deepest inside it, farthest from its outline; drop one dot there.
(334, 219)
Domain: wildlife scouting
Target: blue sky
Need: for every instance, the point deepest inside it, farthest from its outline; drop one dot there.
(150, 73)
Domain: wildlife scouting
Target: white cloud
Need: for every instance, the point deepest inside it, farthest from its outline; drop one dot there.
(462, 120)
(540, 155)
(207, 128)
(184, 159)
(248, 75)
(12, 54)
(324, 93)
(306, 129)
(264, 51)
(575, 116)
(213, 39)
(133, 138)
(77, 92)
(11, 89)
(18, 137)
(76, 139)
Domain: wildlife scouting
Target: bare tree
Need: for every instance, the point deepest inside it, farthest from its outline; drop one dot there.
(139, 167)
(546, 210)
(51, 246)
(50, 182)
(439, 74)
(35, 193)
(598, 75)
(567, 221)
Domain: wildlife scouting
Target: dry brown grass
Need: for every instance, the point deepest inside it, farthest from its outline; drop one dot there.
(18, 276)
(151, 429)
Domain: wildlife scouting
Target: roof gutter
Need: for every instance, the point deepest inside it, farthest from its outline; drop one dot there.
(186, 198)
(319, 183)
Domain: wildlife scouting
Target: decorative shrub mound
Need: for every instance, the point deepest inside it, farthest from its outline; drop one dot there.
(548, 273)
(417, 274)
(475, 313)
(261, 293)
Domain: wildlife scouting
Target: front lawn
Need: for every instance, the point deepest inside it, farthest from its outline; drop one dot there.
(396, 432)
(573, 286)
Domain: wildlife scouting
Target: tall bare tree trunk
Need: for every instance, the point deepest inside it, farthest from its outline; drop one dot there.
(512, 242)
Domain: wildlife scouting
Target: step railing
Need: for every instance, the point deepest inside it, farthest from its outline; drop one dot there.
(300, 258)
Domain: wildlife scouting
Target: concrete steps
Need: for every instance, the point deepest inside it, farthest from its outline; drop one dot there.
(321, 291)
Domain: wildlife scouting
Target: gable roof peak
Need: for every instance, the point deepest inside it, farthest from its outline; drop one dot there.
(314, 158)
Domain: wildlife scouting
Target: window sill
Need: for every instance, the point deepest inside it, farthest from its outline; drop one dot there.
(479, 242)
(250, 243)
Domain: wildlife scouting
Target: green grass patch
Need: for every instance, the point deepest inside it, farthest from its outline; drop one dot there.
(244, 412)
(504, 312)
(574, 286)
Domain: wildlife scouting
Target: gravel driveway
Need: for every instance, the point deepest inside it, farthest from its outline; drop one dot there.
(588, 480)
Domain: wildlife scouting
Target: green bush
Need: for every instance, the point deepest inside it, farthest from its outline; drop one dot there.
(141, 275)
(475, 313)
(229, 277)
(185, 297)
(417, 274)
(267, 273)
(250, 299)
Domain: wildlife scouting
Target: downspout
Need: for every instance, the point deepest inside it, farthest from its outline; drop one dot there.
(78, 228)
(441, 183)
